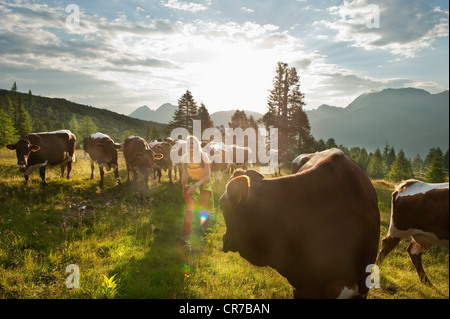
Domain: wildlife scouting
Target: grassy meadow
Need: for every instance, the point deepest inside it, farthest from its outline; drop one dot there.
(125, 242)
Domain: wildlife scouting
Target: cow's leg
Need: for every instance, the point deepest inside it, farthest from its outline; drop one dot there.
(146, 180)
(116, 175)
(69, 169)
(26, 178)
(102, 173)
(415, 251)
(92, 169)
(387, 244)
(159, 174)
(62, 170)
(128, 173)
(170, 175)
(42, 174)
(135, 176)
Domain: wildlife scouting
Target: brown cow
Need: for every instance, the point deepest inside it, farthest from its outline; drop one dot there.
(164, 163)
(138, 157)
(318, 228)
(37, 150)
(103, 151)
(418, 210)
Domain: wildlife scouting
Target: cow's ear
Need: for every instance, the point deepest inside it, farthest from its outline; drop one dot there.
(237, 189)
(11, 146)
(35, 148)
(117, 146)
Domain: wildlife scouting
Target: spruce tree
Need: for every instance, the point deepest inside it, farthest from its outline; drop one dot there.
(7, 130)
(401, 168)
(435, 173)
(186, 113)
(377, 166)
(285, 109)
(203, 116)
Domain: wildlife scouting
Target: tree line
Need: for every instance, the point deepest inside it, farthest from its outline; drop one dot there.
(23, 113)
(285, 111)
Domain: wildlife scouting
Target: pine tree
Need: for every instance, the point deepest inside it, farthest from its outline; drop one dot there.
(417, 165)
(401, 168)
(186, 113)
(285, 110)
(446, 160)
(390, 158)
(7, 130)
(205, 119)
(377, 166)
(23, 123)
(435, 173)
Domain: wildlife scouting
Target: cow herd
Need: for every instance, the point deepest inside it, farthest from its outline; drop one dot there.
(319, 226)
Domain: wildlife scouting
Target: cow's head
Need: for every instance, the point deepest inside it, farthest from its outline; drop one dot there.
(238, 206)
(162, 151)
(23, 150)
(149, 156)
(109, 150)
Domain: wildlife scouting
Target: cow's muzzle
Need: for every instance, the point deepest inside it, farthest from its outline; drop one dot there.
(22, 167)
(227, 245)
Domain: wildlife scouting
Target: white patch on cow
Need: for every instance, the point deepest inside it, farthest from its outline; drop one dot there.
(422, 237)
(347, 293)
(31, 168)
(57, 132)
(154, 143)
(99, 135)
(420, 188)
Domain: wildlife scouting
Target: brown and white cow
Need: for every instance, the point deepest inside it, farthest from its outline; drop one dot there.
(165, 163)
(318, 228)
(37, 150)
(418, 210)
(103, 151)
(138, 157)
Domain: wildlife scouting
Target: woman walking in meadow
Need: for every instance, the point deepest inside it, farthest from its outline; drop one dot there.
(197, 185)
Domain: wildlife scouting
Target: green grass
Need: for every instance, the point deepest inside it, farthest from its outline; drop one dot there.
(133, 234)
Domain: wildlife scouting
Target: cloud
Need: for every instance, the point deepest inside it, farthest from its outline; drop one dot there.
(247, 9)
(405, 27)
(186, 6)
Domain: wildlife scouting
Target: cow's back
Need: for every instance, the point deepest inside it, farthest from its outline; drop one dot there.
(330, 222)
(131, 147)
(55, 147)
(421, 206)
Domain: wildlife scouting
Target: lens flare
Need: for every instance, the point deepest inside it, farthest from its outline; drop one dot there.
(204, 217)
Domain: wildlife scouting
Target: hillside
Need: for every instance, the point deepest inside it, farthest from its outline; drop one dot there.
(410, 119)
(55, 113)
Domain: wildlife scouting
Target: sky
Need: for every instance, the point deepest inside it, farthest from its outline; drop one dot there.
(120, 55)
